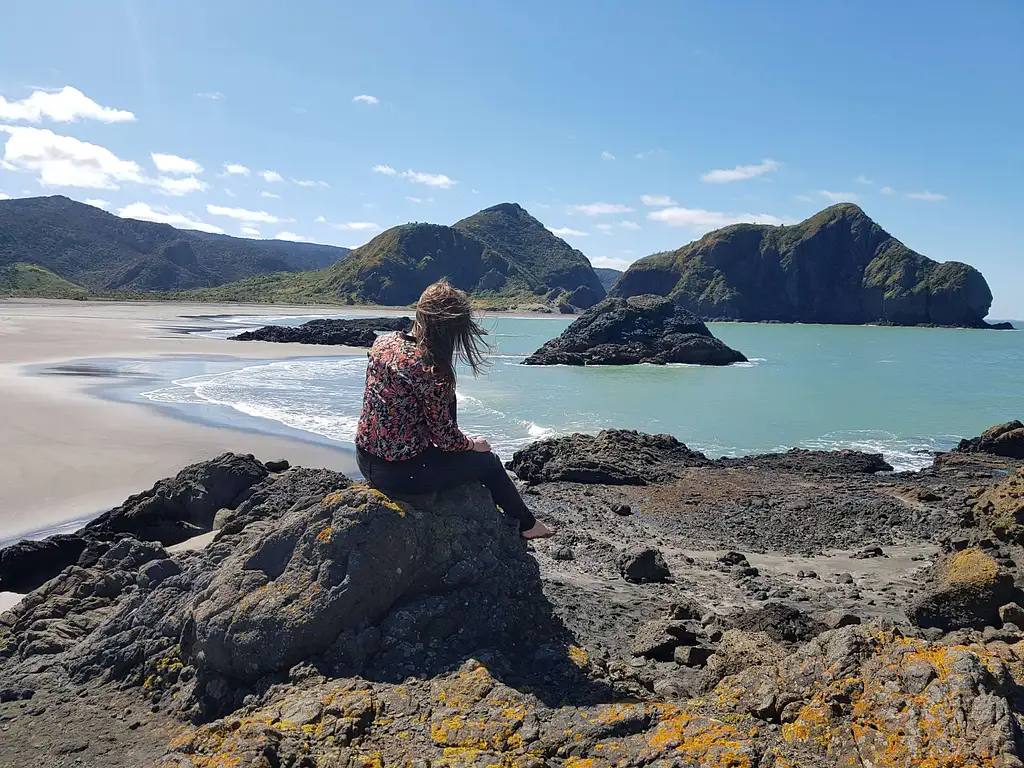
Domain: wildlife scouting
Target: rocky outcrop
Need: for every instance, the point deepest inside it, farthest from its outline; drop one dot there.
(999, 509)
(641, 329)
(1001, 440)
(965, 589)
(836, 267)
(349, 333)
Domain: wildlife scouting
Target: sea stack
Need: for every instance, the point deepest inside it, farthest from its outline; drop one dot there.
(640, 329)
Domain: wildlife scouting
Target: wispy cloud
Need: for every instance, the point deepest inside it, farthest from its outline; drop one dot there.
(704, 221)
(64, 161)
(838, 197)
(438, 180)
(175, 164)
(235, 169)
(68, 105)
(269, 195)
(165, 185)
(606, 228)
(321, 220)
(97, 202)
(741, 172)
(804, 198)
(887, 190)
(657, 201)
(599, 209)
(926, 195)
(249, 230)
(648, 153)
(606, 155)
(163, 215)
(4, 196)
(365, 98)
(414, 199)
(295, 238)
(862, 179)
(210, 95)
(311, 183)
(610, 262)
(387, 170)
(242, 214)
(356, 226)
(629, 225)
(271, 176)
(567, 232)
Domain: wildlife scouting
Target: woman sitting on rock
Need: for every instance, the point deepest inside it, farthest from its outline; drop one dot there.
(408, 440)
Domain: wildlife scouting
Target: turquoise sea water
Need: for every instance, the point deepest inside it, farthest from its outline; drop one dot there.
(902, 391)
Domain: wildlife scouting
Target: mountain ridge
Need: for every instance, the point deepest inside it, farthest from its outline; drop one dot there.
(837, 266)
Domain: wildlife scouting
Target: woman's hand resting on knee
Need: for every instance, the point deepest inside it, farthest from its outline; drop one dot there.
(480, 445)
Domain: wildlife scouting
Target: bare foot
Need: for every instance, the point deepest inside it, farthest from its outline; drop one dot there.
(539, 531)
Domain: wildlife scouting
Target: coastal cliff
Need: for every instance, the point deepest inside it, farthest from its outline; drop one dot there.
(838, 266)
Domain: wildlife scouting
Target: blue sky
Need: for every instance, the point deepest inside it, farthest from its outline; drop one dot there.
(629, 127)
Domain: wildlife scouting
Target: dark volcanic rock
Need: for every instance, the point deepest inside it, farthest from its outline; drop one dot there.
(643, 565)
(966, 589)
(349, 333)
(1001, 440)
(803, 460)
(28, 564)
(641, 329)
(613, 457)
(836, 267)
(780, 622)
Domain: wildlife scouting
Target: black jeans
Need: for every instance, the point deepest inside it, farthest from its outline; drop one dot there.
(437, 470)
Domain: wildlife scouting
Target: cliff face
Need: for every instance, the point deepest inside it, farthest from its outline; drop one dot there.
(836, 267)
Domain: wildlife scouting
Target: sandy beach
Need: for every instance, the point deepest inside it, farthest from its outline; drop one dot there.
(67, 455)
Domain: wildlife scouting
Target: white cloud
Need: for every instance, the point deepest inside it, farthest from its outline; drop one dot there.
(475, 191)
(270, 195)
(163, 215)
(567, 232)
(926, 195)
(387, 170)
(606, 155)
(271, 176)
(245, 215)
(300, 111)
(64, 161)
(599, 209)
(311, 183)
(647, 153)
(839, 197)
(365, 98)
(97, 202)
(356, 226)
(438, 180)
(210, 95)
(68, 105)
(629, 225)
(175, 164)
(610, 262)
(229, 193)
(707, 220)
(862, 179)
(887, 190)
(804, 198)
(235, 169)
(321, 220)
(180, 187)
(657, 201)
(249, 230)
(4, 196)
(414, 199)
(293, 237)
(740, 172)
(606, 228)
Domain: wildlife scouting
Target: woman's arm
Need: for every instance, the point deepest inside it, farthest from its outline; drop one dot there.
(439, 411)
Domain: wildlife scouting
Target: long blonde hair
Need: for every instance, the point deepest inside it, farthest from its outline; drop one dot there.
(447, 332)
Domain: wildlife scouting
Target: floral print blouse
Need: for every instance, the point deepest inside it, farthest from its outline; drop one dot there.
(405, 408)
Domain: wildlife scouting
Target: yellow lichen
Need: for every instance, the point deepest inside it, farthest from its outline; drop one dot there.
(579, 657)
(324, 536)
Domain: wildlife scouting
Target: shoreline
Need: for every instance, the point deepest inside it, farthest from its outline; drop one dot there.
(71, 453)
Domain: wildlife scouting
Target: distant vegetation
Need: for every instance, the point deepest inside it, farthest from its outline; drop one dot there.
(607, 276)
(836, 267)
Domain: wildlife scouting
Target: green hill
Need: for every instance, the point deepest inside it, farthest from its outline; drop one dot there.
(608, 277)
(836, 267)
(105, 253)
(501, 255)
(29, 280)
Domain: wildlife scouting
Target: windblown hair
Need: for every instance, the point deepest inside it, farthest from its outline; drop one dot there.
(446, 331)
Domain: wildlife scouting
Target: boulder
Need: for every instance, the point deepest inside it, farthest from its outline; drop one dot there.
(782, 623)
(999, 509)
(641, 329)
(738, 650)
(643, 565)
(27, 565)
(613, 457)
(1001, 440)
(361, 332)
(659, 639)
(356, 575)
(964, 589)
(805, 461)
